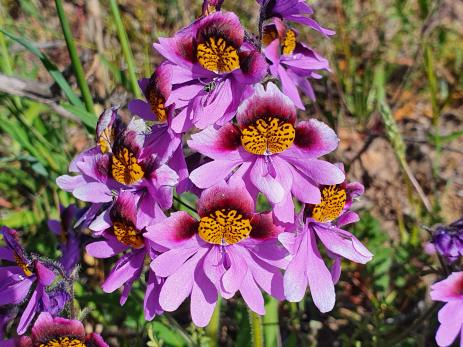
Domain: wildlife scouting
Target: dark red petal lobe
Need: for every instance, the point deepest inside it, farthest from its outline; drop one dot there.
(221, 24)
(47, 327)
(263, 227)
(124, 208)
(229, 137)
(223, 196)
(185, 227)
(306, 136)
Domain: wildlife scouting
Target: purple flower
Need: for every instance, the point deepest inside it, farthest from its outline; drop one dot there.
(229, 249)
(17, 280)
(161, 140)
(123, 232)
(213, 70)
(271, 153)
(292, 62)
(307, 267)
(292, 10)
(69, 239)
(448, 240)
(49, 331)
(211, 6)
(450, 316)
(121, 161)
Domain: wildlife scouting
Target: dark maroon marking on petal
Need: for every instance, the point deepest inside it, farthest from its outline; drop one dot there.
(124, 208)
(225, 197)
(149, 166)
(47, 328)
(263, 227)
(229, 137)
(185, 228)
(221, 24)
(268, 106)
(102, 166)
(127, 140)
(306, 136)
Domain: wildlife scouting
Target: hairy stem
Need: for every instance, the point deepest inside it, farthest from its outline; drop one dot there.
(256, 329)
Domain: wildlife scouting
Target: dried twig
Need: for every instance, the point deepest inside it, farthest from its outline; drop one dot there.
(36, 91)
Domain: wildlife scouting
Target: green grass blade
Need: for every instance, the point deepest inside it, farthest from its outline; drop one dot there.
(76, 64)
(126, 50)
(52, 69)
(87, 118)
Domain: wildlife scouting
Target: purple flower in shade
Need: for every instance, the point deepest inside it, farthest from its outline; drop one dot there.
(229, 249)
(450, 316)
(271, 153)
(49, 332)
(211, 6)
(120, 161)
(123, 233)
(213, 70)
(323, 220)
(161, 140)
(17, 280)
(292, 62)
(448, 240)
(291, 10)
(69, 239)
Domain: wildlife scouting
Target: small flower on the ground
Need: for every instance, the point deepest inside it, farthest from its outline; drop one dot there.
(448, 240)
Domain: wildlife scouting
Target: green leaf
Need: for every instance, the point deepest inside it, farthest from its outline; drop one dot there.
(170, 337)
(52, 69)
(87, 118)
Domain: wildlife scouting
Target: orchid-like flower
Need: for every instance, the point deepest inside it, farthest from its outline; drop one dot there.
(270, 152)
(213, 70)
(50, 332)
(322, 221)
(161, 139)
(18, 279)
(229, 249)
(450, 316)
(120, 161)
(293, 62)
(292, 10)
(123, 233)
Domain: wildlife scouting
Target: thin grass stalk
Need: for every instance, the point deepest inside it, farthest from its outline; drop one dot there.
(76, 64)
(5, 63)
(213, 329)
(271, 326)
(257, 333)
(126, 50)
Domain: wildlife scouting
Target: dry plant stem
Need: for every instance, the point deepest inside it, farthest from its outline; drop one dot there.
(76, 64)
(35, 91)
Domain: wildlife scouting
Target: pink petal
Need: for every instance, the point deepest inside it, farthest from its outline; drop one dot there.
(126, 269)
(105, 249)
(29, 311)
(267, 184)
(169, 262)
(303, 189)
(203, 298)
(451, 319)
(295, 278)
(69, 183)
(212, 173)
(44, 274)
(179, 285)
(93, 192)
(233, 277)
(252, 295)
(320, 280)
(289, 87)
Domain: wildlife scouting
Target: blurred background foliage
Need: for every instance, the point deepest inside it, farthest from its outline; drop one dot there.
(394, 96)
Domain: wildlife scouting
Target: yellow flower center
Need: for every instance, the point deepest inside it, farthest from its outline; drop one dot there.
(125, 167)
(333, 202)
(127, 234)
(217, 55)
(64, 341)
(289, 42)
(267, 136)
(157, 104)
(24, 266)
(224, 226)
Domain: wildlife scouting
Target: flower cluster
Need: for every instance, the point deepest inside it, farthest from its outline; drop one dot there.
(448, 243)
(214, 122)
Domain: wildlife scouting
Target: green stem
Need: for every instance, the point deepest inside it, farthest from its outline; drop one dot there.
(271, 327)
(76, 64)
(126, 50)
(213, 329)
(256, 329)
